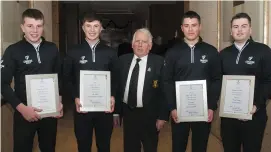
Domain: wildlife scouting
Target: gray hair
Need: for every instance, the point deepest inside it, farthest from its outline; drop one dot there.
(145, 31)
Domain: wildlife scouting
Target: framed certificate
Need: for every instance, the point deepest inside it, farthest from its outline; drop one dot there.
(95, 90)
(237, 94)
(191, 101)
(42, 93)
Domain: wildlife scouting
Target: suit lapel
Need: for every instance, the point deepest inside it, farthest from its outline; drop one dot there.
(149, 70)
(148, 74)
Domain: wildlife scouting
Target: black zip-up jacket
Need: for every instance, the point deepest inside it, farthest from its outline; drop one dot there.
(255, 60)
(81, 57)
(22, 59)
(201, 62)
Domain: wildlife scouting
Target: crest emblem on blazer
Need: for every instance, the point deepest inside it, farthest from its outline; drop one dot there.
(27, 60)
(83, 61)
(155, 84)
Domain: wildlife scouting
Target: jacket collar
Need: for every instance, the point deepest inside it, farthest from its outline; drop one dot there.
(249, 41)
(26, 42)
(200, 41)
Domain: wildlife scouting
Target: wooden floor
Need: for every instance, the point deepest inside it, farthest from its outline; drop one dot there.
(66, 141)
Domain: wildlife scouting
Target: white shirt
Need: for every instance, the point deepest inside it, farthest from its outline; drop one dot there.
(240, 47)
(141, 79)
(36, 45)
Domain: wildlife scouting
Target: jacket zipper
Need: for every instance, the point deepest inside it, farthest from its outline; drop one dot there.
(192, 54)
(239, 54)
(38, 54)
(93, 49)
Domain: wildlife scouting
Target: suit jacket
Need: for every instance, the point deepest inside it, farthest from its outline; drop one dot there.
(153, 98)
(125, 48)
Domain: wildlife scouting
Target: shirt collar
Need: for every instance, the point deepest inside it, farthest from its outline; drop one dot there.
(242, 46)
(35, 45)
(144, 58)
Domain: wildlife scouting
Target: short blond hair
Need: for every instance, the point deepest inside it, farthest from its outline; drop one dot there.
(145, 31)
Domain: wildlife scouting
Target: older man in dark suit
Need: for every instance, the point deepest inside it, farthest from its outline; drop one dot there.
(140, 96)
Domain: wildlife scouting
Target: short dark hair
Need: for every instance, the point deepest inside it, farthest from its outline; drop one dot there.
(90, 17)
(191, 14)
(241, 15)
(32, 13)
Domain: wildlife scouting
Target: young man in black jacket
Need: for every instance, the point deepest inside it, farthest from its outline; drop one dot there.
(192, 59)
(91, 55)
(32, 55)
(246, 57)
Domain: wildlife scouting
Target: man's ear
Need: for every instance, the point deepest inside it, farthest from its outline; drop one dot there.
(22, 28)
(83, 28)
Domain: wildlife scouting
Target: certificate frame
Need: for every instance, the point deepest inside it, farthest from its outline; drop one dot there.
(107, 75)
(29, 78)
(247, 116)
(204, 117)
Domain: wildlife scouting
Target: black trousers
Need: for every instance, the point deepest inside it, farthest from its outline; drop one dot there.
(24, 132)
(139, 128)
(84, 124)
(249, 134)
(180, 133)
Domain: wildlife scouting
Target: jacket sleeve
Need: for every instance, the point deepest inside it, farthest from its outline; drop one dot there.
(113, 69)
(118, 103)
(262, 94)
(68, 74)
(163, 108)
(114, 81)
(8, 67)
(168, 80)
(215, 76)
(58, 70)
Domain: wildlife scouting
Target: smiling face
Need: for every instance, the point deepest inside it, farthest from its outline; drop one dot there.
(32, 29)
(92, 30)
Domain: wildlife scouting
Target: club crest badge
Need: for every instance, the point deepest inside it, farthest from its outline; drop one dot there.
(155, 84)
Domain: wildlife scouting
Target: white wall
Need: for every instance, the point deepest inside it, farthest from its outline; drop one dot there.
(11, 15)
(10, 33)
(208, 13)
(255, 10)
(46, 8)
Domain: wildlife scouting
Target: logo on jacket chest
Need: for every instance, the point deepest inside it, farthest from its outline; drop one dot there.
(2, 66)
(203, 59)
(27, 60)
(83, 61)
(250, 60)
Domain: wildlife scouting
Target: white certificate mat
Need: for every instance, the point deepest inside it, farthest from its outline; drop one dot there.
(95, 90)
(237, 96)
(42, 93)
(191, 101)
